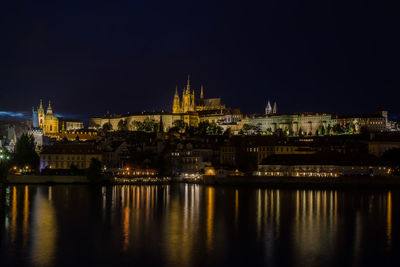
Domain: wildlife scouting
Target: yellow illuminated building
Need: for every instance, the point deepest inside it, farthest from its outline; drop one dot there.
(48, 122)
(189, 103)
(187, 108)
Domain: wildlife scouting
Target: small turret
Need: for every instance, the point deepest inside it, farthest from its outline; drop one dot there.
(275, 109)
(201, 92)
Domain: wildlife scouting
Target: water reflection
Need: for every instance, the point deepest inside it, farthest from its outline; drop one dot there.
(389, 220)
(44, 230)
(188, 224)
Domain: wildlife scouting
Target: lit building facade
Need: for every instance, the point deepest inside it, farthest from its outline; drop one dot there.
(48, 122)
(63, 156)
(187, 108)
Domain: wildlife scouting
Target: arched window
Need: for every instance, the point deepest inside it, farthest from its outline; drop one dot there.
(51, 128)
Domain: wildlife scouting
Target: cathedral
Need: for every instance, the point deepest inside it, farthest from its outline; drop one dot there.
(187, 108)
(189, 103)
(48, 122)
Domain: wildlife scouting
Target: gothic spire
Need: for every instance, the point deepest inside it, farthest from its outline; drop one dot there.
(201, 92)
(176, 91)
(188, 84)
(275, 110)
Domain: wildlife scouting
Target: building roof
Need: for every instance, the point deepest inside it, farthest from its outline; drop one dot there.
(70, 120)
(323, 158)
(88, 149)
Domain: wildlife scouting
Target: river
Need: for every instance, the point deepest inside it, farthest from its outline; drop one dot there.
(195, 225)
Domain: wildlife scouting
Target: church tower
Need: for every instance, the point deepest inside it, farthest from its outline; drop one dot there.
(188, 98)
(40, 112)
(35, 119)
(176, 105)
(275, 109)
(268, 109)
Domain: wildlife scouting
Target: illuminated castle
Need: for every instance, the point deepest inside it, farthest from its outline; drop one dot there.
(189, 103)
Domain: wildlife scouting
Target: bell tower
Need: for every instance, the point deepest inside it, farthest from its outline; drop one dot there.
(40, 113)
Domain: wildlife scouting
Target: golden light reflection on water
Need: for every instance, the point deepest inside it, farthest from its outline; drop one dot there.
(236, 210)
(26, 216)
(210, 216)
(179, 222)
(44, 230)
(389, 220)
(14, 215)
(314, 225)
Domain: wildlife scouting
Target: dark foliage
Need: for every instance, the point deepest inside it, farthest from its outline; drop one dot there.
(25, 153)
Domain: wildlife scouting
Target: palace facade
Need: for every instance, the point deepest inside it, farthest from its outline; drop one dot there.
(192, 110)
(314, 123)
(187, 108)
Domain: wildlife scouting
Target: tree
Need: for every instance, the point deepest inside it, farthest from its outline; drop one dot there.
(337, 129)
(122, 125)
(148, 125)
(5, 163)
(202, 128)
(107, 127)
(227, 132)
(279, 132)
(180, 125)
(257, 128)
(94, 173)
(301, 133)
(268, 131)
(329, 129)
(214, 129)
(248, 128)
(25, 152)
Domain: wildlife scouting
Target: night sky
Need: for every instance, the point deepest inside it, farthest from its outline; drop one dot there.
(89, 57)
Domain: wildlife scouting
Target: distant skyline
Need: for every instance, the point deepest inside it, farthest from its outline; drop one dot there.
(91, 57)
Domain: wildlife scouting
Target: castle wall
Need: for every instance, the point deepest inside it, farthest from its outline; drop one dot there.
(307, 123)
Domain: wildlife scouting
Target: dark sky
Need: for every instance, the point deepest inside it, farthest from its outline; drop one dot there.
(92, 56)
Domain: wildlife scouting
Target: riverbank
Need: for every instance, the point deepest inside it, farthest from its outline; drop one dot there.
(46, 179)
(264, 181)
(306, 182)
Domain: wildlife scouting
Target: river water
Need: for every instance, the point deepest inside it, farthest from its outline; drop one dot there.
(195, 225)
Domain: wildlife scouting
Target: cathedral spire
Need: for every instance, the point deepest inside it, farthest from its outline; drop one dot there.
(176, 91)
(275, 109)
(201, 92)
(188, 84)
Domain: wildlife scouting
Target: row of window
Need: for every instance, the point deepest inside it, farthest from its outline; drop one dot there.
(66, 165)
(271, 149)
(49, 157)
